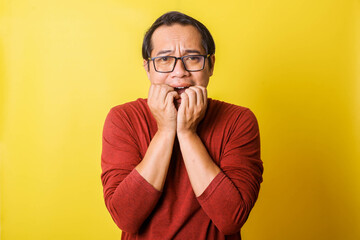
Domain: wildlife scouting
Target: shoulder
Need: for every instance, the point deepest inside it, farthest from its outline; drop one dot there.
(230, 119)
(130, 110)
(130, 113)
(129, 107)
(229, 111)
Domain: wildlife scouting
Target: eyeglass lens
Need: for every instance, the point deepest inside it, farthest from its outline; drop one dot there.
(167, 63)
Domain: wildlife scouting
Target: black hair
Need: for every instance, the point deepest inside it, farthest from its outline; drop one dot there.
(171, 18)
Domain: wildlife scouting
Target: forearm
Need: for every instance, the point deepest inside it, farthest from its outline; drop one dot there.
(226, 192)
(154, 166)
(199, 165)
(132, 202)
(226, 205)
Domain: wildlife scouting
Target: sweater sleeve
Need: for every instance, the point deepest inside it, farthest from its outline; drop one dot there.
(231, 195)
(128, 196)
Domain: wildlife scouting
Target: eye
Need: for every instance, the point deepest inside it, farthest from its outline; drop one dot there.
(194, 58)
(164, 59)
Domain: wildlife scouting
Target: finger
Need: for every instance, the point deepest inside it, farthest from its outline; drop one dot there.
(205, 98)
(163, 91)
(199, 95)
(191, 96)
(170, 98)
(151, 95)
(203, 94)
(184, 103)
(156, 91)
(176, 95)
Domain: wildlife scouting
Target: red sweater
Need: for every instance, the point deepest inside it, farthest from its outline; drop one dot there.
(231, 136)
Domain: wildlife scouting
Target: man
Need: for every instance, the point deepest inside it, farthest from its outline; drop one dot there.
(179, 165)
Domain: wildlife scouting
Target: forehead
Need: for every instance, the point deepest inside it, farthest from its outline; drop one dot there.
(176, 36)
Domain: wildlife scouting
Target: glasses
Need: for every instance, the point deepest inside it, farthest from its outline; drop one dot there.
(192, 63)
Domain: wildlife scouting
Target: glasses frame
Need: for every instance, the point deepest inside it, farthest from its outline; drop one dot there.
(182, 60)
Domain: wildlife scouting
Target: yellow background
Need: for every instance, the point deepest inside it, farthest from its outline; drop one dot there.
(64, 64)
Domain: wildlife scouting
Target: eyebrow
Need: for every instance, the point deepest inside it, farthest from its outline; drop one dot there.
(163, 52)
(192, 51)
(170, 51)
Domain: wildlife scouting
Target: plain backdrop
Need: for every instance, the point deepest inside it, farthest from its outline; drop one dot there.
(64, 64)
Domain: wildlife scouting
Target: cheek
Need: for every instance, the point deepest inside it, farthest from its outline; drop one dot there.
(202, 79)
(157, 78)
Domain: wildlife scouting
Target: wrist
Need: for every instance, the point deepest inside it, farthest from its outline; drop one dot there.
(166, 131)
(186, 134)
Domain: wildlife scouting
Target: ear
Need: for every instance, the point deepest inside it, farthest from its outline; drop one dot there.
(212, 59)
(147, 67)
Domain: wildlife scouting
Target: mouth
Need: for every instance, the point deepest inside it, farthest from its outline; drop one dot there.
(180, 90)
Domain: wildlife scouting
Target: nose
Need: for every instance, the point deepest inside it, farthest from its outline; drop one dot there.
(179, 70)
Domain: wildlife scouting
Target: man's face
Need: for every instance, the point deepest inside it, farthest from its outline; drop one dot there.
(178, 40)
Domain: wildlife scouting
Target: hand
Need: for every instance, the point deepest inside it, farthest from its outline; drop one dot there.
(161, 103)
(192, 109)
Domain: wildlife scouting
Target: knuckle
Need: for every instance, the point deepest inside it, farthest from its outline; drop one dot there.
(164, 90)
(190, 91)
